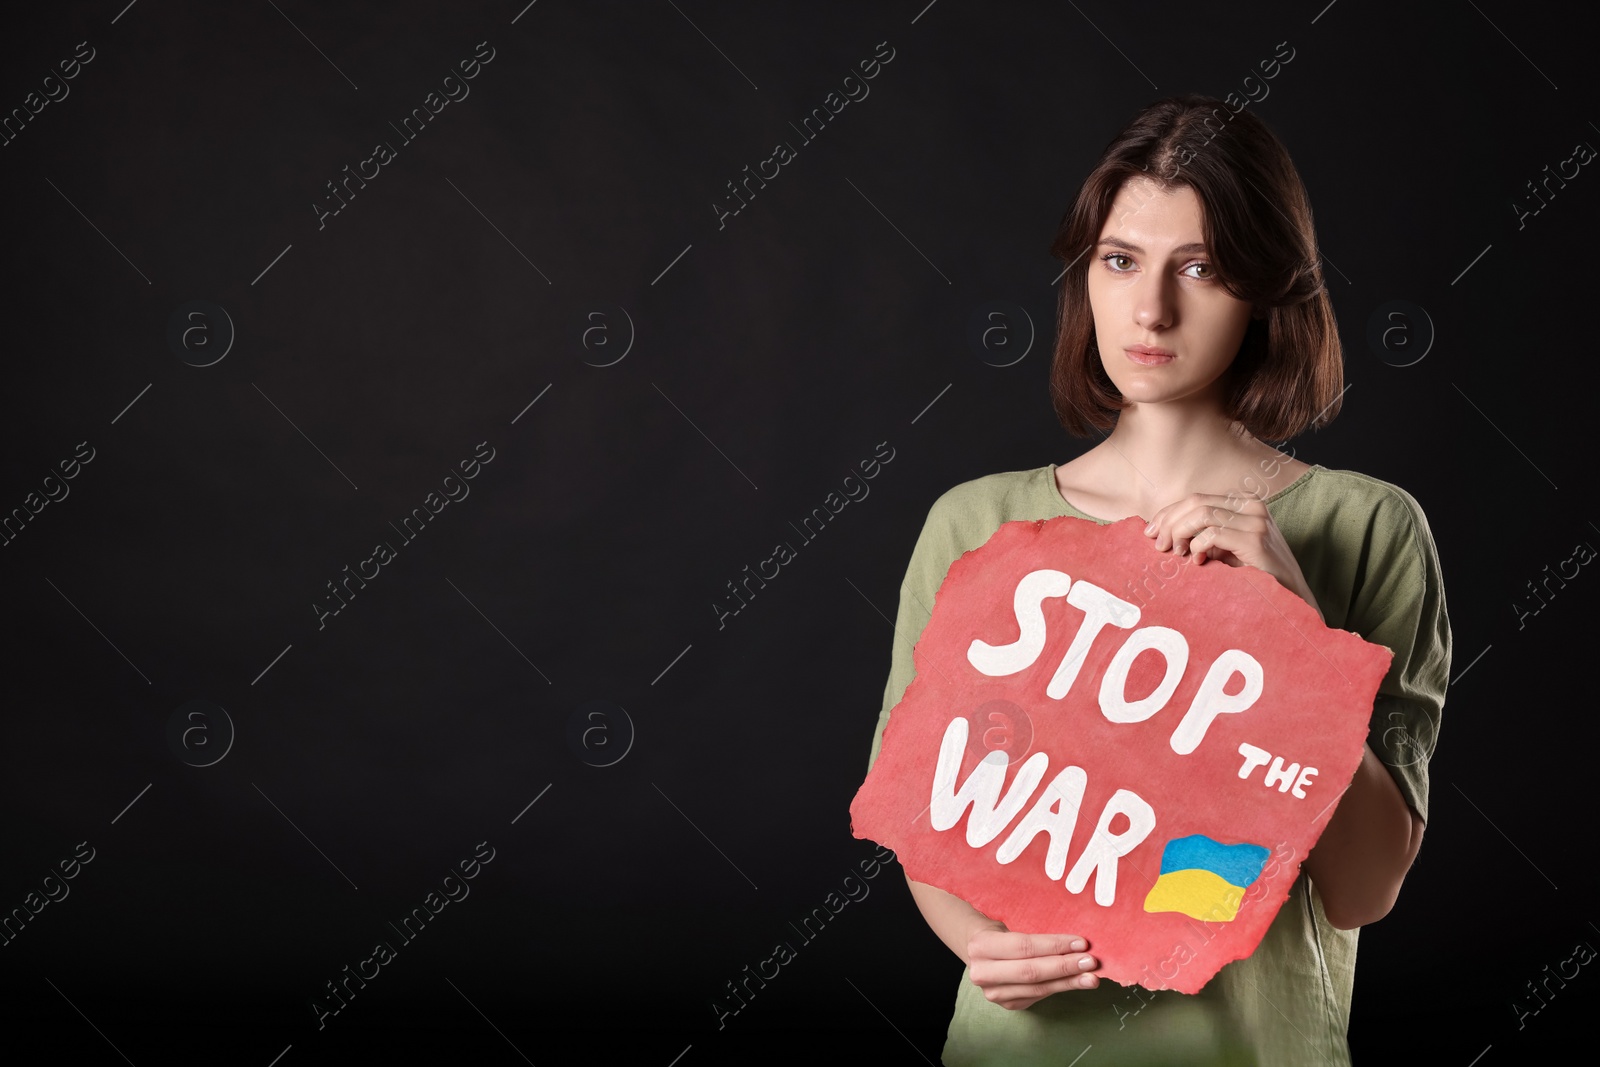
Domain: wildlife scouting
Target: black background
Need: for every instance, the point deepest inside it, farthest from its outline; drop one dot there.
(768, 357)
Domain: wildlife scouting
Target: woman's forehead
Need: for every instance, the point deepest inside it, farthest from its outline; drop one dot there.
(1145, 215)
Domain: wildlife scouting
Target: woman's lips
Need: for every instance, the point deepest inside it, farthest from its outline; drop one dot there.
(1148, 359)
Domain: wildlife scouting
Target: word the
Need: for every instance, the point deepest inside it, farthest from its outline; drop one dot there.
(1582, 152)
(384, 553)
(1182, 952)
(1288, 779)
(14, 123)
(33, 903)
(383, 952)
(784, 153)
(1235, 104)
(55, 489)
(1582, 554)
(383, 153)
(1581, 954)
(854, 890)
(784, 552)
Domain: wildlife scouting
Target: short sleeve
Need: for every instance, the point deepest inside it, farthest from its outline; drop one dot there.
(1400, 603)
(935, 551)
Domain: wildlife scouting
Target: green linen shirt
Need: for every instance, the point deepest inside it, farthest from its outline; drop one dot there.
(1366, 551)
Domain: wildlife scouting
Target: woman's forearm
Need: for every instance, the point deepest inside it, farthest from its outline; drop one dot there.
(1366, 849)
(953, 919)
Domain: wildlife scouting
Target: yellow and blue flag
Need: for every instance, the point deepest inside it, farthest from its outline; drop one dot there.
(1205, 879)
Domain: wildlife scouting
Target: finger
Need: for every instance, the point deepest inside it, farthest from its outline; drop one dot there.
(1163, 516)
(1221, 555)
(1199, 502)
(1234, 546)
(1183, 529)
(1016, 997)
(1250, 504)
(1162, 520)
(1011, 945)
(1033, 972)
(1196, 532)
(1204, 548)
(1185, 520)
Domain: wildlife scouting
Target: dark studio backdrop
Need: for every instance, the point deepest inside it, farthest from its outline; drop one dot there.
(543, 322)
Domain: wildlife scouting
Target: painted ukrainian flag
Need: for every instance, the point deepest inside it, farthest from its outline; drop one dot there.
(1205, 879)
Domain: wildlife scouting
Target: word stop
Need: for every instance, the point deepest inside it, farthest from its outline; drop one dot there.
(1101, 609)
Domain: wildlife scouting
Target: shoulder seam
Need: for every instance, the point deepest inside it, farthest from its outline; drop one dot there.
(1408, 507)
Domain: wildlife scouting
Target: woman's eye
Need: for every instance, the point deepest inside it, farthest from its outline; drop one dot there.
(1207, 276)
(1116, 255)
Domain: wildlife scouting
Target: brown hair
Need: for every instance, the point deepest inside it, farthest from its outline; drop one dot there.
(1289, 372)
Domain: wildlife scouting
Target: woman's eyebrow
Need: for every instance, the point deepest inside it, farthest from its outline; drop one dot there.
(1117, 242)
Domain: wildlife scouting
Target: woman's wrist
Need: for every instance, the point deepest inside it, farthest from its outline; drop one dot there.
(978, 924)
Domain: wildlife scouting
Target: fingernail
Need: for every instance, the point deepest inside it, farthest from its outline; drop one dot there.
(1078, 944)
(1151, 525)
(1085, 963)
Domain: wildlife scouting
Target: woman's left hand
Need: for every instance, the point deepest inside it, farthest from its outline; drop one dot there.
(1206, 526)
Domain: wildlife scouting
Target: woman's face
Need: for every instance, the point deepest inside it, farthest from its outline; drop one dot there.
(1151, 286)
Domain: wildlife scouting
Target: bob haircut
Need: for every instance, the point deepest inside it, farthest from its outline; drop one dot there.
(1289, 371)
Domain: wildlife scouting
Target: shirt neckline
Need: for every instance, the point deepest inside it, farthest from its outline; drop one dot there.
(1065, 507)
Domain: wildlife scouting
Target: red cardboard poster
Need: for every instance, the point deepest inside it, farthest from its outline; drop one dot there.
(1106, 740)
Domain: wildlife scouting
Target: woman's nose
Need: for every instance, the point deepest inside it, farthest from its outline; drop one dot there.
(1153, 305)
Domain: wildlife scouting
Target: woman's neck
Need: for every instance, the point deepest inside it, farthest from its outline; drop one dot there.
(1159, 453)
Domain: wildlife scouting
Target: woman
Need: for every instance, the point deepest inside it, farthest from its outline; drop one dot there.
(1194, 324)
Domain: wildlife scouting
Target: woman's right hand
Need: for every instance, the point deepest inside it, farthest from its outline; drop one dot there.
(1017, 970)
